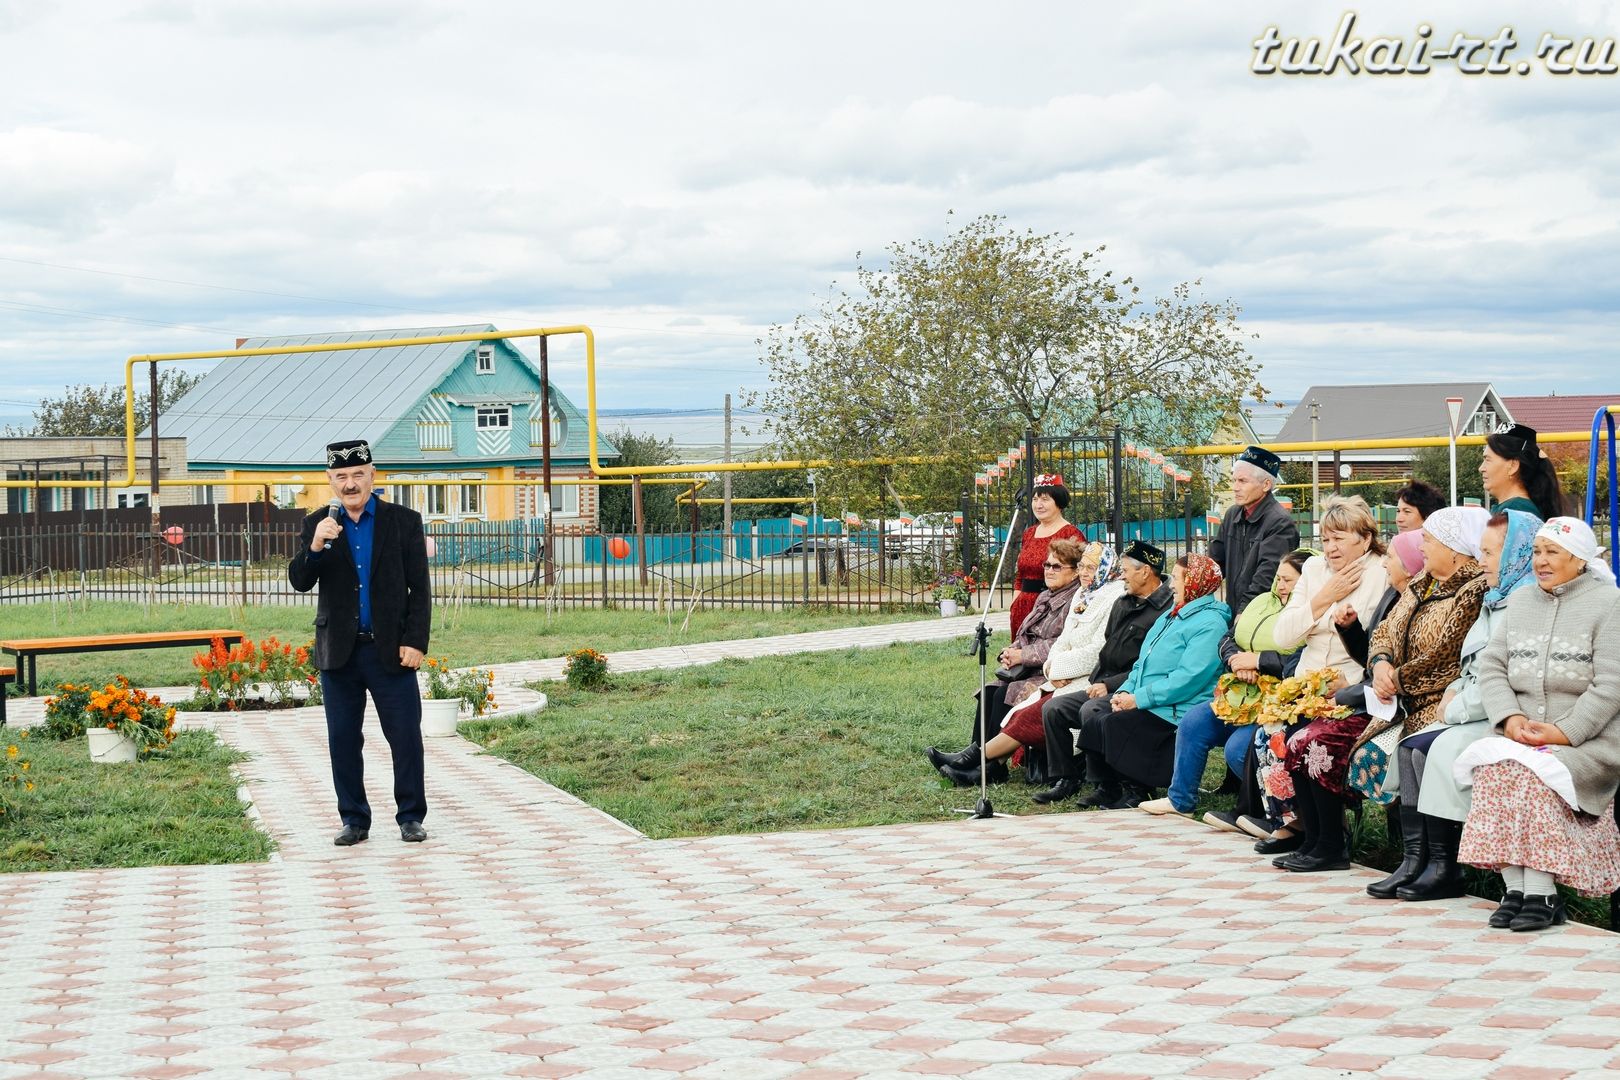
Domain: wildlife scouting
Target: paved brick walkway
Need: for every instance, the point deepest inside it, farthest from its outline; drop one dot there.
(534, 936)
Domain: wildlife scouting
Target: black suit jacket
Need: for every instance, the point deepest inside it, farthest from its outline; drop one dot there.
(1128, 623)
(401, 597)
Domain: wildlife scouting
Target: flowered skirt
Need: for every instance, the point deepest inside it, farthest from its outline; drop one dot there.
(1516, 820)
(1321, 750)
(1276, 786)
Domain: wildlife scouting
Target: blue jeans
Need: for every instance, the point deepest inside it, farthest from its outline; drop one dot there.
(1199, 732)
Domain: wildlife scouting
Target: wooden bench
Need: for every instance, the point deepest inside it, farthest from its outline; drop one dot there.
(25, 651)
(7, 675)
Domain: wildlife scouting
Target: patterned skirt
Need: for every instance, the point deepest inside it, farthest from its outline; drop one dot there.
(1516, 820)
(1321, 750)
(1276, 786)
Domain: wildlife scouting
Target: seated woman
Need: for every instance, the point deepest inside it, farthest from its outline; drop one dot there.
(1413, 503)
(1019, 664)
(1544, 789)
(1066, 673)
(1047, 504)
(1348, 575)
(1427, 789)
(1130, 739)
(1085, 630)
(1249, 652)
(1517, 476)
(1415, 652)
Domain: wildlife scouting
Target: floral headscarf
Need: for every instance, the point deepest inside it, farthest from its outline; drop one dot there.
(1203, 578)
(1576, 537)
(1518, 547)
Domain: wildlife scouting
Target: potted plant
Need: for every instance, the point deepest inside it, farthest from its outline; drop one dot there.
(122, 722)
(448, 691)
(952, 591)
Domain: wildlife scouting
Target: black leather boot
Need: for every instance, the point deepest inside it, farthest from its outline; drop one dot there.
(1332, 848)
(962, 759)
(1105, 792)
(970, 777)
(1538, 913)
(1065, 787)
(1130, 797)
(1506, 911)
(1416, 856)
(1442, 879)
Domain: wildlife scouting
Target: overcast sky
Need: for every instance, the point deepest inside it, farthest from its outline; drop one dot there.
(177, 174)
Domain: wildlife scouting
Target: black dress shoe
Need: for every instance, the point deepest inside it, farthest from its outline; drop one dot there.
(1133, 796)
(1510, 906)
(1102, 795)
(351, 835)
(1538, 913)
(1301, 863)
(1275, 845)
(1065, 788)
(412, 832)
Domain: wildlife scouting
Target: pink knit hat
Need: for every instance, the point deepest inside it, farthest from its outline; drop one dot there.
(1408, 547)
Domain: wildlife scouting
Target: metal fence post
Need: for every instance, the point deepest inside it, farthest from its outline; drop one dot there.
(1117, 516)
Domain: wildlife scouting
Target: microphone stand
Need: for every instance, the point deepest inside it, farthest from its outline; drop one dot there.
(981, 645)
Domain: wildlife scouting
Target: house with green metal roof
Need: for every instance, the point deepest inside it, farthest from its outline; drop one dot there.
(437, 416)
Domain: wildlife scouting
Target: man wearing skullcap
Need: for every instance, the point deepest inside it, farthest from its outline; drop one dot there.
(1256, 533)
(369, 558)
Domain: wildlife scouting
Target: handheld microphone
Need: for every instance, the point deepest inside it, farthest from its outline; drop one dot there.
(333, 508)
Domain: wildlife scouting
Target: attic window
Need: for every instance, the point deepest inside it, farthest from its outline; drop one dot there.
(493, 417)
(485, 363)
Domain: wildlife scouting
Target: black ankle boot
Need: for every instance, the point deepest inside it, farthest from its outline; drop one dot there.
(1416, 852)
(1442, 879)
(1539, 912)
(1065, 787)
(1506, 911)
(1130, 797)
(970, 777)
(962, 759)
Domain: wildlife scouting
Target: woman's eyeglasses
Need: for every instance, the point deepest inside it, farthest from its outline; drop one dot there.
(1056, 565)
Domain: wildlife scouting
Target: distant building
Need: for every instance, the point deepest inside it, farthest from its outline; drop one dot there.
(99, 458)
(1388, 411)
(1559, 412)
(435, 415)
(1267, 420)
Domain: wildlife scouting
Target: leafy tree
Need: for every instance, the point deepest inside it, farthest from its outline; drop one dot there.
(87, 410)
(956, 347)
(615, 506)
(1432, 465)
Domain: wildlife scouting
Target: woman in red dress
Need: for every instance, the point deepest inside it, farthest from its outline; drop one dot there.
(1050, 500)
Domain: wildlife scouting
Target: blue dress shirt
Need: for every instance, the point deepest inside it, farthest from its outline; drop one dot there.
(359, 535)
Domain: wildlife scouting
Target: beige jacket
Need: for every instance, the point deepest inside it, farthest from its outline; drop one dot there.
(1322, 645)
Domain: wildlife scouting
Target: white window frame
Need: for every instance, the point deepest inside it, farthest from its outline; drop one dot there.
(471, 501)
(493, 417)
(435, 493)
(484, 360)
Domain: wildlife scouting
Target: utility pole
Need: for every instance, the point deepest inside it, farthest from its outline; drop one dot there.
(154, 501)
(725, 491)
(549, 548)
(1316, 482)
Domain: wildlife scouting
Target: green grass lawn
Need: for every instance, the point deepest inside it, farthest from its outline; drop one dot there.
(175, 807)
(821, 740)
(472, 635)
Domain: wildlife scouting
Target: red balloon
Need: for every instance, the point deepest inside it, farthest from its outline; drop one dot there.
(618, 547)
(174, 534)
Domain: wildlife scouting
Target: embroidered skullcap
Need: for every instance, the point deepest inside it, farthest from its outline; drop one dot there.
(1460, 528)
(350, 452)
(1576, 537)
(1262, 459)
(1145, 553)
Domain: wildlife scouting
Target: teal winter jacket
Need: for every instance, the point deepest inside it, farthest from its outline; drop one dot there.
(1180, 660)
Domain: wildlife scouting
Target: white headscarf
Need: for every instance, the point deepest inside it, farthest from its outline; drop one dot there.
(1460, 528)
(1576, 537)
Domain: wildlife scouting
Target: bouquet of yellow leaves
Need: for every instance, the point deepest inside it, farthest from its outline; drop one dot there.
(1238, 701)
(1307, 696)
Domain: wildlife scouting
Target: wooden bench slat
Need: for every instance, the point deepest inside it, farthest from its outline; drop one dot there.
(153, 638)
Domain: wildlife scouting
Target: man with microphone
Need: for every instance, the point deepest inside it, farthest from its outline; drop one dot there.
(369, 558)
